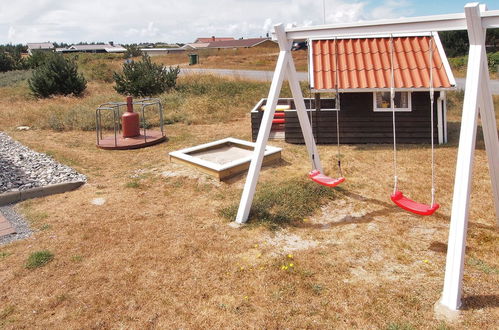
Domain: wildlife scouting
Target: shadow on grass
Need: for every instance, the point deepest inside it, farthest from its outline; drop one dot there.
(287, 203)
(480, 302)
(387, 209)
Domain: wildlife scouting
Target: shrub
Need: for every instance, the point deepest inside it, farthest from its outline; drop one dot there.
(57, 76)
(493, 59)
(145, 78)
(36, 59)
(132, 51)
(7, 62)
(39, 258)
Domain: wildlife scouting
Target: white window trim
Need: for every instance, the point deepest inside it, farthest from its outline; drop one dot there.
(408, 109)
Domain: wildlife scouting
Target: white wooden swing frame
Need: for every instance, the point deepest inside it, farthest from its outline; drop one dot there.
(477, 100)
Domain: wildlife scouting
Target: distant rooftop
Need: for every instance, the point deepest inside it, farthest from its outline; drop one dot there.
(40, 45)
(241, 43)
(99, 48)
(212, 39)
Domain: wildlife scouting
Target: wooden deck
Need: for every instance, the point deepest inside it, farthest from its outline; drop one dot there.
(5, 227)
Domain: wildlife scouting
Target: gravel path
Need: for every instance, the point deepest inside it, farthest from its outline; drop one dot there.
(18, 222)
(22, 168)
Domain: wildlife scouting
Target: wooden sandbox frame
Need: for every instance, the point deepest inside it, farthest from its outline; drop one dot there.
(202, 157)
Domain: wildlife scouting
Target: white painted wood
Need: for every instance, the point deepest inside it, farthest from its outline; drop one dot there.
(449, 22)
(265, 126)
(389, 109)
(440, 120)
(311, 81)
(444, 111)
(489, 127)
(451, 295)
(301, 111)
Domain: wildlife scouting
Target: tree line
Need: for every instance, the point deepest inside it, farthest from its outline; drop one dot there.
(456, 42)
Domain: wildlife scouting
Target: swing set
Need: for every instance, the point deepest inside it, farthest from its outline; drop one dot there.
(477, 100)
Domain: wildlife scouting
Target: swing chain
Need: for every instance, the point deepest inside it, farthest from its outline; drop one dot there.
(392, 105)
(337, 106)
(432, 92)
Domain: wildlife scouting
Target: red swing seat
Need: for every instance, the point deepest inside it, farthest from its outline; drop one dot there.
(325, 180)
(412, 206)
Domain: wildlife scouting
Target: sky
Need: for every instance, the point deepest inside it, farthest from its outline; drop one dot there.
(133, 21)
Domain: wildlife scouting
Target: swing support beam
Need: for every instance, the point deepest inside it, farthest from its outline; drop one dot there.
(477, 101)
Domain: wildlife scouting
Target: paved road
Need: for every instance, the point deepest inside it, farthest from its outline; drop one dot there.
(267, 76)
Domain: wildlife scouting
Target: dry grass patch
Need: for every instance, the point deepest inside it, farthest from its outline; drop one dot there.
(237, 59)
(158, 254)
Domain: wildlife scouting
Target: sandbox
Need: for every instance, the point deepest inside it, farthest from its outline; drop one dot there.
(223, 158)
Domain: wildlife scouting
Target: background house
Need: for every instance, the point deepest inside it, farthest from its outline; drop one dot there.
(96, 48)
(243, 43)
(212, 39)
(40, 46)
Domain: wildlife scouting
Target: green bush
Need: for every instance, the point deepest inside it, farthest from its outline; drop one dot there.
(458, 63)
(39, 258)
(132, 51)
(145, 78)
(57, 76)
(493, 59)
(7, 62)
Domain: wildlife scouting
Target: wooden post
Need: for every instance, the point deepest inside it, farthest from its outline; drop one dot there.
(285, 65)
(265, 126)
(477, 94)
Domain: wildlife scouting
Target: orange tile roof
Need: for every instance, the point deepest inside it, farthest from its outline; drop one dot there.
(365, 63)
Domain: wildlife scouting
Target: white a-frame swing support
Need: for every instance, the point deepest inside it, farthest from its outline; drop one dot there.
(477, 100)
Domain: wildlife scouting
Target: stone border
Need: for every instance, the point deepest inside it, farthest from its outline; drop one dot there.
(12, 197)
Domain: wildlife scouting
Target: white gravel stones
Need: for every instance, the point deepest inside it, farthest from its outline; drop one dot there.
(98, 201)
(22, 168)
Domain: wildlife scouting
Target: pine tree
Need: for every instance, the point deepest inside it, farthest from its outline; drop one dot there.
(57, 76)
(144, 78)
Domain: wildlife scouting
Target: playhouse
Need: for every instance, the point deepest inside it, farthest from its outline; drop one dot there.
(355, 74)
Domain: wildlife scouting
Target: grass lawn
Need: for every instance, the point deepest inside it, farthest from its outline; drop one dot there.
(159, 253)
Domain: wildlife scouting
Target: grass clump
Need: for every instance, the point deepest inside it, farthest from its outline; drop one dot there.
(400, 326)
(284, 203)
(132, 184)
(4, 254)
(39, 259)
(11, 78)
(483, 266)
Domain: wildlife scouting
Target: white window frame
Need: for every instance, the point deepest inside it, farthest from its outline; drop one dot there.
(389, 109)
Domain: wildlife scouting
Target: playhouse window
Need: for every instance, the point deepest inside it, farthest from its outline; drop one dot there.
(401, 101)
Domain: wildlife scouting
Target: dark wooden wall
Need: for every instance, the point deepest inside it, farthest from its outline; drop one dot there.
(360, 124)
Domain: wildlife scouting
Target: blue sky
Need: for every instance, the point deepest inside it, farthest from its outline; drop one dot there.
(128, 21)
